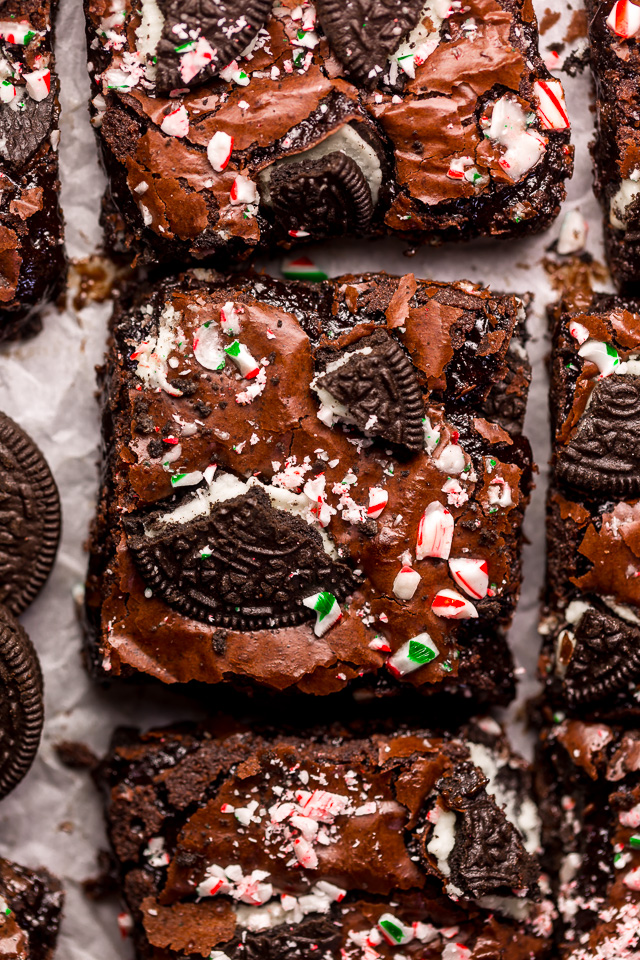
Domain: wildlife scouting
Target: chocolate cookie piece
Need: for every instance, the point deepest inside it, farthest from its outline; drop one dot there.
(241, 563)
(379, 389)
(329, 196)
(31, 904)
(365, 33)
(21, 703)
(32, 257)
(202, 37)
(303, 491)
(325, 840)
(31, 518)
(427, 121)
(605, 658)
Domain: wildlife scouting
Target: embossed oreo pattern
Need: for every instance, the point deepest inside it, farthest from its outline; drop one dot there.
(21, 704)
(605, 660)
(30, 515)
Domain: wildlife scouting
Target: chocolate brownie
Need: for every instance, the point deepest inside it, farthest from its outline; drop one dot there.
(234, 126)
(30, 910)
(590, 657)
(589, 795)
(614, 34)
(32, 258)
(277, 847)
(302, 490)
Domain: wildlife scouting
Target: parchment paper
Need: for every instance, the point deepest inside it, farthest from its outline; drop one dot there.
(48, 386)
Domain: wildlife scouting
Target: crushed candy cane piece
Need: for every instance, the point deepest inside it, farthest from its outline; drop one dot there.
(604, 355)
(435, 532)
(327, 610)
(471, 575)
(246, 364)
(38, 84)
(453, 606)
(176, 123)
(412, 655)
(219, 150)
(406, 583)
(578, 332)
(230, 317)
(243, 191)
(195, 60)
(302, 268)
(378, 499)
(624, 19)
(573, 233)
(207, 347)
(552, 109)
(393, 930)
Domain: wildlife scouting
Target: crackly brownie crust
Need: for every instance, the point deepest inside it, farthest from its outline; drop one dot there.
(336, 845)
(422, 350)
(589, 794)
(30, 910)
(32, 259)
(428, 157)
(615, 60)
(591, 626)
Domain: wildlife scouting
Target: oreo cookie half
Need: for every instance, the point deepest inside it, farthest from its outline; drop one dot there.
(605, 659)
(364, 33)
(21, 703)
(30, 514)
(376, 383)
(325, 197)
(603, 457)
(240, 563)
(201, 37)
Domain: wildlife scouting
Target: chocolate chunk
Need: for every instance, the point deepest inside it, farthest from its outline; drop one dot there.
(488, 855)
(23, 130)
(227, 27)
(380, 390)
(30, 511)
(606, 658)
(244, 565)
(604, 455)
(327, 197)
(21, 705)
(364, 33)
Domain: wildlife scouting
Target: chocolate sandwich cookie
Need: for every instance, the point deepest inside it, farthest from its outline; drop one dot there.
(30, 911)
(30, 510)
(261, 847)
(227, 128)
(590, 659)
(304, 490)
(32, 258)
(614, 38)
(589, 795)
(21, 703)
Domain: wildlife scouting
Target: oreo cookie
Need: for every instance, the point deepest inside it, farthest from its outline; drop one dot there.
(30, 511)
(201, 37)
(603, 457)
(23, 129)
(488, 855)
(242, 564)
(325, 197)
(21, 703)
(605, 659)
(364, 33)
(377, 384)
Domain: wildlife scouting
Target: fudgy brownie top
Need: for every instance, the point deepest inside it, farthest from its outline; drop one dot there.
(246, 843)
(593, 589)
(30, 909)
(589, 791)
(31, 255)
(301, 483)
(237, 125)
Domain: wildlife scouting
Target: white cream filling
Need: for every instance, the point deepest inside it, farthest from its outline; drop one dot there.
(345, 140)
(225, 486)
(443, 840)
(576, 611)
(522, 813)
(421, 41)
(622, 199)
(507, 906)
(622, 610)
(150, 30)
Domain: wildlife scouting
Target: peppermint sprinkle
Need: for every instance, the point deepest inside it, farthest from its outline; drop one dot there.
(327, 610)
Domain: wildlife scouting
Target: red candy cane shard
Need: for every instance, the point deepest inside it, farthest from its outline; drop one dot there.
(552, 109)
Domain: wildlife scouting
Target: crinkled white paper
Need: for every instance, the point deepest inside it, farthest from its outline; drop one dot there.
(48, 385)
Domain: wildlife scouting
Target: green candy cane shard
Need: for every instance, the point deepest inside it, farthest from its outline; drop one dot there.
(420, 652)
(324, 604)
(233, 350)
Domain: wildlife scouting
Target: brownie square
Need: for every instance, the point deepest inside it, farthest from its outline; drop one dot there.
(30, 910)
(589, 795)
(32, 258)
(303, 491)
(614, 31)
(330, 844)
(250, 126)
(590, 658)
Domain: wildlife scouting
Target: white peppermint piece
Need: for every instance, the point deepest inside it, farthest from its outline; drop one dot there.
(38, 84)
(624, 19)
(207, 347)
(604, 355)
(244, 361)
(412, 655)
(578, 332)
(406, 583)
(176, 123)
(193, 61)
(508, 127)
(573, 233)
(451, 459)
(435, 532)
(378, 499)
(243, 191)
(219, 150)
(453, 606)
(471, 575)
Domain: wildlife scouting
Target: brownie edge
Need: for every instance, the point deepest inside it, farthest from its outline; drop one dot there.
(31, 904)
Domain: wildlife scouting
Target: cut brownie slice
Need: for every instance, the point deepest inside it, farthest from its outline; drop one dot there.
(32, 259)
(30, 910)
(591, 654)
(409, 844)
(242, 126)
(589, 795)
(302, 488)
(614, 34)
